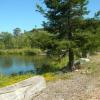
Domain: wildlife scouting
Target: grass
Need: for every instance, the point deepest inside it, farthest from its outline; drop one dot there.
(59, 63)
(9, 80)
(92, 67)
(25, 51)
(49, 76)
(56, 76)
(53, 66)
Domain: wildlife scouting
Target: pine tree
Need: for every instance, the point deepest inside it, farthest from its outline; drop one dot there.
(64, 17)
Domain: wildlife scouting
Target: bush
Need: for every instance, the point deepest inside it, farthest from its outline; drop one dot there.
(46, 68)
(52, 66)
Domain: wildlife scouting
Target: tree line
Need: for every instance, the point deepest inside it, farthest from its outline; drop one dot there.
(19, 40)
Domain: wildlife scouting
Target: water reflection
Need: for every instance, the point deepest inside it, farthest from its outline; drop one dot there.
(20, 64)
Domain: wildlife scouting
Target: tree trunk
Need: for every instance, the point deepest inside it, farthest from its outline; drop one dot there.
(84, 54)
(70, 38)
(71, 60)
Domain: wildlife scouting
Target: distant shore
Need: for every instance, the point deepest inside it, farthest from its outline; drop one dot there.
(26, 51)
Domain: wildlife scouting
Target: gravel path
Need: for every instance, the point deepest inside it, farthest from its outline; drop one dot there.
(80, 87)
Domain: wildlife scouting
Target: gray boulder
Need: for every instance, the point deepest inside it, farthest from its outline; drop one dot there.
(24, 90)
(84, 60)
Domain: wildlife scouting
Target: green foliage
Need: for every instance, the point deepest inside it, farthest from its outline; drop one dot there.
(71, 30)
(6, 40)
(64, 17)
(52, 66)
(28, 42)
(25, 51)
(62, 13)
(87, 42)
(17, 31)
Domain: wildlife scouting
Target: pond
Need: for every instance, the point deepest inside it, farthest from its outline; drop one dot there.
(10, 65)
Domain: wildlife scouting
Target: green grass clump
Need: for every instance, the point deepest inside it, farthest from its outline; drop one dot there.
(52, 66)
(9, 80)
(49, 76)
(60, 63)
(92, 67)
(25, 51)
(56, 76)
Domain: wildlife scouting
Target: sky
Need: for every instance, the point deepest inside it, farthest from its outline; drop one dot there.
(22, 14)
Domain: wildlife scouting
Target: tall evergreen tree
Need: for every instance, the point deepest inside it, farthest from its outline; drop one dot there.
(17, 31)
(64, 17)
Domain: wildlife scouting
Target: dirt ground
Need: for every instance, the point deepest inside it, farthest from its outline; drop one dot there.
(79, 87)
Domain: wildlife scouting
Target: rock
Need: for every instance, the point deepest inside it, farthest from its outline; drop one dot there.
(59, 72)
(76, 70)
(77, 64)
(24, 90)
(84, 60)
